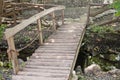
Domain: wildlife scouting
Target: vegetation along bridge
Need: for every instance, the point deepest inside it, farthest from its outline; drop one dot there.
(54, 59)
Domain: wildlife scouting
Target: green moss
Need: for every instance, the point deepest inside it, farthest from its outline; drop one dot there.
(2, 29)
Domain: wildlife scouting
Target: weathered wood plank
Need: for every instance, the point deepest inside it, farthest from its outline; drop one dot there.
(48, 67)
(49, 60)
(63, 37)
(61, 44)
(51, 40)
(19, 77)
(54, 51)
(43, 74)
(45, 71)
(56, 48)
(50, 52)
(53, 54)
(53, 57)
(49, 63)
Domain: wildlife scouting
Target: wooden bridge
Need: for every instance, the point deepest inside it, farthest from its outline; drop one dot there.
(54, 59)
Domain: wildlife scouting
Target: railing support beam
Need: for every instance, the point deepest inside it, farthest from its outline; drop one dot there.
(62, 17)
(54, 21)
(12, 54)
(40, 32)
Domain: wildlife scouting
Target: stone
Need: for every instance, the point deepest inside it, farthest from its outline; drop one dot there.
(93, 69)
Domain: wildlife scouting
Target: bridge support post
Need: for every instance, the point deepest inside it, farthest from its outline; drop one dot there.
(12, 54)
(14, 15)
(0, 20)
(54, 22)
(88, 14)
(40, 31)
(62, 17)
(1, 10)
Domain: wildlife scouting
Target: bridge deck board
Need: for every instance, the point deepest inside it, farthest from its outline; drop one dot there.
(54, 60)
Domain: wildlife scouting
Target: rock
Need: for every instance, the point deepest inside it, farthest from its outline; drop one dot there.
(115, 73)
(74, 76)
(79, 70)
(92, 70)
(108, 2)
(21, 64)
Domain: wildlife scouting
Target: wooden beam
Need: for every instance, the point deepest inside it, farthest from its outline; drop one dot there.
(1, 10)
(14, 15)
(12, 31)
(54, 21)
(13, 54)
(88, 15)
(1, 7)
(62, 17)
(40, 31)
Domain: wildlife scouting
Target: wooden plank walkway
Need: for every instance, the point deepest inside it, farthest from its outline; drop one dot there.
(56, 58)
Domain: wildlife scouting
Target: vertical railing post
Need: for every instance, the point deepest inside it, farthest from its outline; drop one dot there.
(12, 54)
(1, 10)
(54, 22)
(62, 17)
(40, 31)
(14, 15)
(88, 15)
(0, 20)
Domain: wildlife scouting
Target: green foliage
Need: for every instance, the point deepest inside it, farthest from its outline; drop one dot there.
(116, 6)
(2, 29)
(1, 63)
(101, 29)
(105, 66)
(98, 40)
(80, 77)
(6, 64)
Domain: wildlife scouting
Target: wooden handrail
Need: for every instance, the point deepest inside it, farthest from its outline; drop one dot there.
(12, 31)
(97, 4)
(91, 14)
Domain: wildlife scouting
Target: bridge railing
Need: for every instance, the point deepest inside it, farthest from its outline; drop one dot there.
(11, 32)
(92, 13)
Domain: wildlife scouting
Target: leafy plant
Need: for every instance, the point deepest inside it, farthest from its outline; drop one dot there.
(116, 6)
(2, 29)
(101, 29)
(1, 63)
